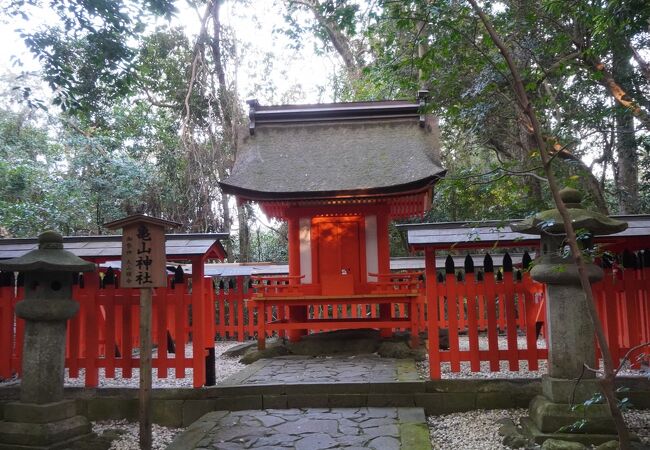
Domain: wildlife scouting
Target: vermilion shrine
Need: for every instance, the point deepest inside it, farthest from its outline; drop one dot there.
(338, 173)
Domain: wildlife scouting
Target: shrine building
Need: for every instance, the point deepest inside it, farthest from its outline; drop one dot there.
(338, 173)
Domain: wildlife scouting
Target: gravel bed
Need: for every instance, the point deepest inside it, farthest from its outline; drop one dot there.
(504, 372)
(479, 430)
(128, 433)
(225, 367)
(472, 430)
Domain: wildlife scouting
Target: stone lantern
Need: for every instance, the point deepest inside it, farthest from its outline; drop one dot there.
(570, 332)
(42, 418)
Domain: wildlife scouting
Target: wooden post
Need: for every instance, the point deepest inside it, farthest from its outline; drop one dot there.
(198, 323)
(296, 313)
(383, 257)
(433, 324)
(145, 368)
(144, 267)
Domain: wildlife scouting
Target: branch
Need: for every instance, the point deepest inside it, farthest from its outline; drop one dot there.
(628, 354)
(607, 80)
(556, 65)
(607, 382)
(195, 61)
(155, 102)
(643, 64)
(340, 42)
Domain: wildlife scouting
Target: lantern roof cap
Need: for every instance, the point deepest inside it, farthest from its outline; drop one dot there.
(550, 221)
(50, 255)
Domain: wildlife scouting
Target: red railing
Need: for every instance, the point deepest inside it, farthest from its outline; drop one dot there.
(481, 306)
(623, 302)
(488, 307)
(478, 309)
(105, 332)
(397, 282)
(237, 320)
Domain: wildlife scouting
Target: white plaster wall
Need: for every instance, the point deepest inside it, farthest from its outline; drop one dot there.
(372, 251)
(305, 249)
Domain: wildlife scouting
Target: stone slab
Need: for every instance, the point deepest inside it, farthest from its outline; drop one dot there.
(40, 413)
(550, 417)
(539, 437)
(568, 391)
(325, 370)
(195, 409)
(43, 435)
(309, 429)
(239, 403)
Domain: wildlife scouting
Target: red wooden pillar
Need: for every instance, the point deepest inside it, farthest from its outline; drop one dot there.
(296, 313)
(198, 323)
(433, 324)
(92, 330)
(383, 259)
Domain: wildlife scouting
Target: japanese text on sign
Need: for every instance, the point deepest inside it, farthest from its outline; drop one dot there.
(143, 256)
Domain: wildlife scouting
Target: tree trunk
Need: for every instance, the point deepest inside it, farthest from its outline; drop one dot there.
(244, 234)
(626, 148)
(522, 58)
(607, 381)
(227, 221)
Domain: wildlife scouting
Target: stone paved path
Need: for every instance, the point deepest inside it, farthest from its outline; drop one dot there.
(335, 369)
(308, 429)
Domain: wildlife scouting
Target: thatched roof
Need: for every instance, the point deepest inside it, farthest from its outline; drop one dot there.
(318, 151)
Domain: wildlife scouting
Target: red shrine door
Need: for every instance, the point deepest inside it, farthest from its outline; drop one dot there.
(339, 254)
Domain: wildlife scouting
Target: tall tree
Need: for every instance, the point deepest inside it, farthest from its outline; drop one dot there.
(86, 46)
(552, 43)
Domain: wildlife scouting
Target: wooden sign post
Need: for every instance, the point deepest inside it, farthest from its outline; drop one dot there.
(143, 267)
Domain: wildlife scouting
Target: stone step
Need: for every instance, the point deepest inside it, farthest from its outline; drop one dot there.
(309, 429)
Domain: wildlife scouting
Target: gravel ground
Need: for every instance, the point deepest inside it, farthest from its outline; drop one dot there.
(478, 430)
(224, 368)
(129, 434)
(228, 366)
(472, 430)
(505, 372)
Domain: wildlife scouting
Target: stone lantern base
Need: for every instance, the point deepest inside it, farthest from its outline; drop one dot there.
(549, 412)
(47, 426)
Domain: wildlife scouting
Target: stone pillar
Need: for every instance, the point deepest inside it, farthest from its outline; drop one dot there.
(570, 332)
(42, 418)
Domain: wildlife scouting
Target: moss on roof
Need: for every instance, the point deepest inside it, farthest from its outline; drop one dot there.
(336, 157)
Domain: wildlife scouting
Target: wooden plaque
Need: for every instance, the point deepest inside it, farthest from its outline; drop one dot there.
(143, 256)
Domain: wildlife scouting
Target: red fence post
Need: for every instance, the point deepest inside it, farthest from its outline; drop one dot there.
(510, 308)
(530, 315)
(491, 305)
(645, 294)
(472, 322)
(198, 324)
(433, 328)
(91, 329)
(452, 313)
(6, 323)
(632, 303)
(239, 286)
(106, 298)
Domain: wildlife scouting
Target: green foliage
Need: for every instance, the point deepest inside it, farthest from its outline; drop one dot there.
(86, 49)
(270, 245)
(442, 46)
(72, 184)
(33, 195)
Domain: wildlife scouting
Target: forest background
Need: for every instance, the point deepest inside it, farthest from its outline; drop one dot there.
(138, 105)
